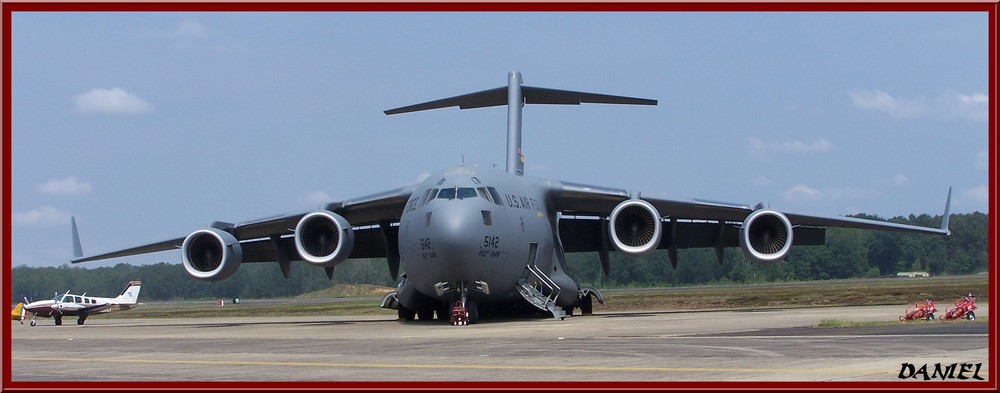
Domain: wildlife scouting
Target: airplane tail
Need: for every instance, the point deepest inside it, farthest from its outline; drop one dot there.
(129, 295)
(514, 95)
(18, 312)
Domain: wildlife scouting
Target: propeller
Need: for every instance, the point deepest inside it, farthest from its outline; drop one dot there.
(56, 306)
(24, 310)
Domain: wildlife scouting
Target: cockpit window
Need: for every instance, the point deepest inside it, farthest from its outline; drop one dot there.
(446, 193)
(466, 192)
(458, 192)
(496, 196)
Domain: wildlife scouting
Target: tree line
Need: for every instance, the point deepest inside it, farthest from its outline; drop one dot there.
(848, 253)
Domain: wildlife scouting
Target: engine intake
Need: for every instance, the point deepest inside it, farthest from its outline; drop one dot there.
(766, 236)
(211, 254)
(635, 227)
(324, 238)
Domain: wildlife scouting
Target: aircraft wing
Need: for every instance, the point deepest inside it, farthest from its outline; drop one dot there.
(372, 217)
(689, 223)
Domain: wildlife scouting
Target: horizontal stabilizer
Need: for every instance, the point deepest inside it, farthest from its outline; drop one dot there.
(532, 95)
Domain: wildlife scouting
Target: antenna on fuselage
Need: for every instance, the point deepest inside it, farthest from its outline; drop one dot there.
(515, 96)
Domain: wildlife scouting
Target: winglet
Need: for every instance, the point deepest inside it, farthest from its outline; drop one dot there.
(77, 248)
(947, 214)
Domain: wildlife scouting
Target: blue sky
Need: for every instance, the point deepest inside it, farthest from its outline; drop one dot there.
(148, 126)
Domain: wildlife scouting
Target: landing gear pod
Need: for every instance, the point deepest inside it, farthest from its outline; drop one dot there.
(211, 254)
(635, 227)
(766, 236)
(324, 238)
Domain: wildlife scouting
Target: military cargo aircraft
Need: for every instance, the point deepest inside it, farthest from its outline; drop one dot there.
(473, 239)
(80, 306)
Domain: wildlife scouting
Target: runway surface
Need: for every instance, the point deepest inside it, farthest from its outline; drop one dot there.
(744, 345)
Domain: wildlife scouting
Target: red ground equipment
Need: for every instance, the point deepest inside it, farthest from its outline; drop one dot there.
(459, 314)
(920, 310)
(962, 308)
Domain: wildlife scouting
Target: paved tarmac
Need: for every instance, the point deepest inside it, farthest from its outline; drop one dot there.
(743, 345)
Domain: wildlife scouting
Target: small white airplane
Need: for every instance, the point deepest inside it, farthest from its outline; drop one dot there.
(81, 306)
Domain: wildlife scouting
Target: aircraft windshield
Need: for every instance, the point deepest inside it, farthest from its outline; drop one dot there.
(459, 192)
(488, 193)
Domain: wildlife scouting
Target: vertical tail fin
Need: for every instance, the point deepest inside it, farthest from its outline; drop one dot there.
(129, 295)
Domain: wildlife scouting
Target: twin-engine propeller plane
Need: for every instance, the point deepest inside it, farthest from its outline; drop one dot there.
(80, 306)
(474, 240)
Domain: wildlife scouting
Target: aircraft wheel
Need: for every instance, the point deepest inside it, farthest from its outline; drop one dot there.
(58, 321)
(930, 317)
(425, 314)
(32, 323)
(587, 305)
(972, 316)
(473, 313)
(79, 321)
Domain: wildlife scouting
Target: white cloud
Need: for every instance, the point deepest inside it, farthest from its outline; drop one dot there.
(112, 101)
(881, 101)
(43, 216)
(949, 105)
(970, 107)
(762, 150)
(800, 192)
(983, 160)
(900, 179)
(315, 197)
(979, 194)
(67, 186)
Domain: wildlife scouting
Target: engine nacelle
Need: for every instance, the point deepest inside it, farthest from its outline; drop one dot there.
(324, 238)
(211, 254)
(766, 236)
(635, 227)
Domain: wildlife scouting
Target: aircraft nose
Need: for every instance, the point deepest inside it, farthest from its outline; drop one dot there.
(455, 232)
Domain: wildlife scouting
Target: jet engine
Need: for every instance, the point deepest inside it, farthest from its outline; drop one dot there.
(635, 227)
(766, 236)
(211, 254)
(324, 238)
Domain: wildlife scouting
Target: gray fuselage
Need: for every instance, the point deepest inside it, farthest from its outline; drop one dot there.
(468, 223)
